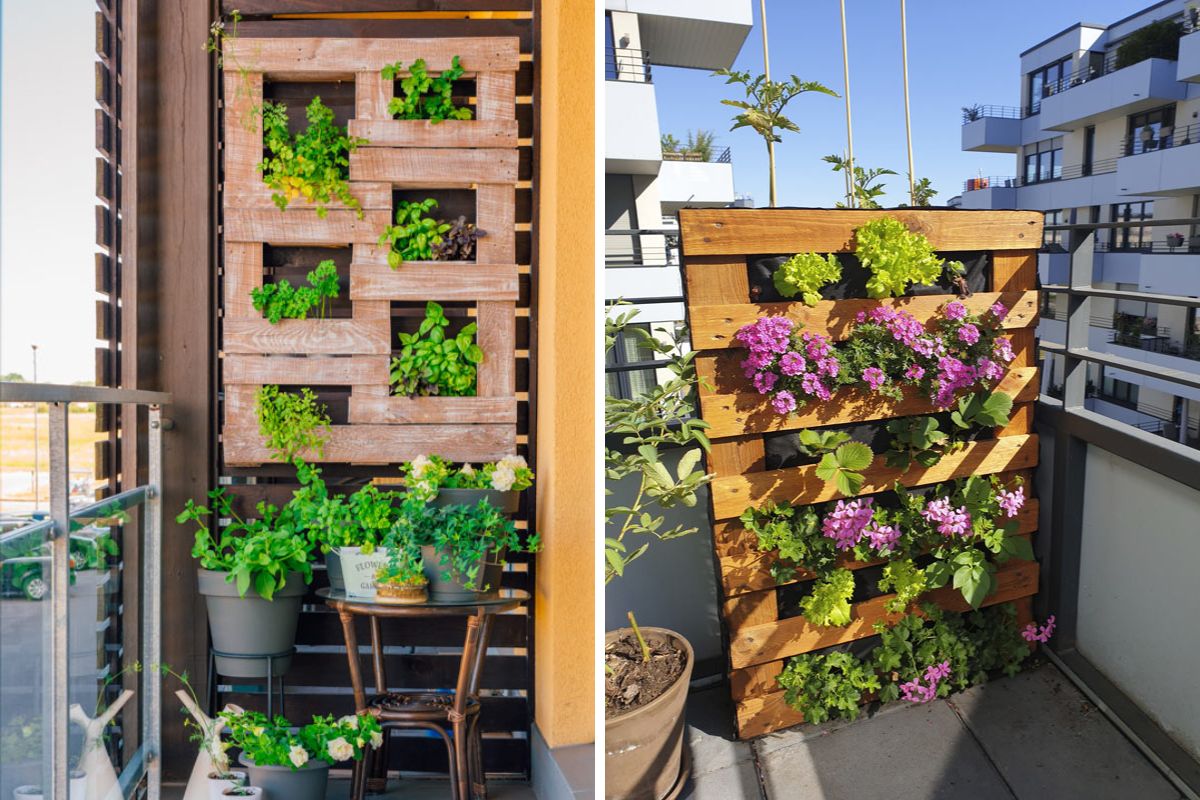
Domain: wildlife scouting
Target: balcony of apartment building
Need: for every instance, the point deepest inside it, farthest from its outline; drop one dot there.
(1046, 184)
(992, 129)
(1103, 88)
(641, 268)
(699, 34)
(700, 178)
(631, 135)
(1160, 161)
(1189, 47)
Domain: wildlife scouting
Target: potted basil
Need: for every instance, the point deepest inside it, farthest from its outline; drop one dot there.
(442, 484)
(252, 575)
(462, 547)
(291, 762)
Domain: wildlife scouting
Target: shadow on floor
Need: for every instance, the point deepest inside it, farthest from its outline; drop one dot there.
(1030, 737)
(433, 789)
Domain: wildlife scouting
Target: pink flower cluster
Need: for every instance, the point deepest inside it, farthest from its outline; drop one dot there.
(1034, 633)
(950, 521)
(1011, 502)
(847, 523)
(809, 368)
(916, 692)
(903, 326)
(882, 537)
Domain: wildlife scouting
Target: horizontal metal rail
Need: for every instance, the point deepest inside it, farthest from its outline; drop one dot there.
(62, 393)
(714, 157)
(1102, 166)
(976, 113)
(1178, 137)
(1185, 248)
(627, 64)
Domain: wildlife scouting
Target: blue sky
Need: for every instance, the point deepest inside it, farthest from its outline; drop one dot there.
(961, 52)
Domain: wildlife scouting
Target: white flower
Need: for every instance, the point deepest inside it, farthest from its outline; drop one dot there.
(503, 477)
(467, 470)
(514, 462)
(419, 465)
(376, 739)
(349, 719)
(340, 749)
(298, 755)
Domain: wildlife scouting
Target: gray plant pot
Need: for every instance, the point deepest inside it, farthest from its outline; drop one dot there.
(333, 568)
(284, 783)
(251, 625)
(506, 502)
(453, 590)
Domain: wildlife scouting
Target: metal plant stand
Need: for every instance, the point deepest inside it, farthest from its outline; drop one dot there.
(453, 715)
(270, 658)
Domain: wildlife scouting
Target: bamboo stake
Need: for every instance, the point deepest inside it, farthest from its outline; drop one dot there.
(912, 186)
(850, 199)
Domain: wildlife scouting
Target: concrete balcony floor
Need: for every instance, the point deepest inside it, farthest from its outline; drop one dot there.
(1030, 737)
(412, 789)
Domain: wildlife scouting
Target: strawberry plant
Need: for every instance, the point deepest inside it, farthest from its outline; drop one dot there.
(424, 96)
(415, 234)
(283, 301)
(432, 363)
(844, 467)
(313, 165)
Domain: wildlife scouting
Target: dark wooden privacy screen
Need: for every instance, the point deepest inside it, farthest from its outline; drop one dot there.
(716, 244)
(489, 162)
(479, 155)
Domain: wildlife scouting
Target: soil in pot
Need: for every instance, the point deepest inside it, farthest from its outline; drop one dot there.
(251, 625)
(631, 682)
(307, 783)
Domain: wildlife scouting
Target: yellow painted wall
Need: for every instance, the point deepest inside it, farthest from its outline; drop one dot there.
(565, 663)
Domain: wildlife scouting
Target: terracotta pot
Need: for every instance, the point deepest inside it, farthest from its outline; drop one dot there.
(643, 749)
(403, 594)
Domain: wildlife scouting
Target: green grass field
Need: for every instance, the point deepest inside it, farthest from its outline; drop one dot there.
(17, 453)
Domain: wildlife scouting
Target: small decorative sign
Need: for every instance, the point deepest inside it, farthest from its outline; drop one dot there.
(359, 568)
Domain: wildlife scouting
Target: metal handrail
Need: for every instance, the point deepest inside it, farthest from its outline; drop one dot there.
(976, 113)
(1185, 248)
(627, 64)
(716, 157)
(1102, 166)
(1189, 134)
(1088, 72)
(58, 528)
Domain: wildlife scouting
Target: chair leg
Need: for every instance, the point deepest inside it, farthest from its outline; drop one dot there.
(478, 778)
(451, 756)
(358, 777)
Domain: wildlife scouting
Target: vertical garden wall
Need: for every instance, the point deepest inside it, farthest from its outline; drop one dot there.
(478, 169)
(780, 500)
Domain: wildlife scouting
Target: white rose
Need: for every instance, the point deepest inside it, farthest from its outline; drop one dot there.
(298, 755)
(503, 477)
(467, 470)
(514, 462)
(340, 749)
(349, 719)
(376, 739)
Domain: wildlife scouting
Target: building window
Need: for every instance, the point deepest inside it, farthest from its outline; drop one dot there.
(1137, 236)
(1054, 241)
(1046, 81)
(631, 366)
(1150, 130)
(1045, 162)
(1118, 391)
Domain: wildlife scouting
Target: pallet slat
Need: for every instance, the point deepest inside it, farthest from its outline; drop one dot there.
(385, 444)
(302, 226)
(434, 280)
(326, 58)
(394, 410)
(311, 336)
(480, 133)
(435, 168)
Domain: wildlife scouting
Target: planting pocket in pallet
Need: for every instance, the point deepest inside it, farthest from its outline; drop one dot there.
(761, 274)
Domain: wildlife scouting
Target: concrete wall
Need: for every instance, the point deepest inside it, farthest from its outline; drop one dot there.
(1136, 603)
(631, 141)
(1189, 57)
(673, 585)
(1137, 87)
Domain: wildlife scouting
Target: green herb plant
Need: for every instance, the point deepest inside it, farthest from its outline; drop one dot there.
(415, 234)
(313, 165)
(434, 364)
(362, 519)
(864, 183)
(829, 602)
(424, 96)
(281, 300)
(824, 686)
(291, 423)
(917, 440)
(905, 580)
(794, 533)
(804, 274)
(404, 567)
(658, 419)
(259, 552)
(896, 257)
(279, 743)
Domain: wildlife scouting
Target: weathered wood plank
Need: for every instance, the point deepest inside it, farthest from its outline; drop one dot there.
(302, 226)
(761, 643)
(431, 167)
(308, 336)
(1014, 270)
(383, 132)
(307, 370)
(394, 410)
(496, 95)
(497, 338)
(495, 214)
(746, 412)
(724, 231)
(334, 58)
(371, 195)
(243, 274)
(800, 485)
(434, 280)
(384, 444)
(371, 97)
(762, 708)
(713, 326)
(712, 281)
(243, 142)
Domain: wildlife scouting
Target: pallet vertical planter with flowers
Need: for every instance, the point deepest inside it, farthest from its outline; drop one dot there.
(754, 425)
(478, 155)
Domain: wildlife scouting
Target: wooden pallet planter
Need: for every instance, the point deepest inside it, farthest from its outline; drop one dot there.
(479, 155)
(717, 244)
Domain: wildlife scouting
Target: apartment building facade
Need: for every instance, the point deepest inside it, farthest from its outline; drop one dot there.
(1106, 133)
(647, 181)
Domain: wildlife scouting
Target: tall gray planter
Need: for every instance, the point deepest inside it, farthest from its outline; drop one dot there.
(250, 625)
(284, 783)
(506, 502)
(453, 590)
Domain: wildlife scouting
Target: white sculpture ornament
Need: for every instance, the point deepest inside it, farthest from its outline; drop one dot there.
(212, 757)
(102, 783)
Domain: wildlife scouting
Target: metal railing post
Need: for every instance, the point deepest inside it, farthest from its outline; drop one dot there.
(57, 760)
(152, 608)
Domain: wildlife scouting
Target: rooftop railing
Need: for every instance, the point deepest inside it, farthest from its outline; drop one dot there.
(45, 545)
(713, 157)
(1180, 247)
(626, 64)
(975, 113)
(1101, 166)
(1165, 138)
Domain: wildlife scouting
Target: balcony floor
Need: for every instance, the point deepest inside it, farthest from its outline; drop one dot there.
(1030, 737)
